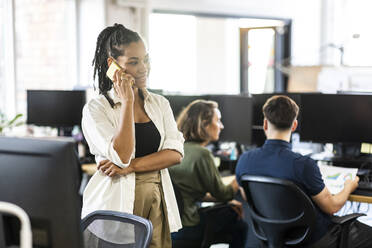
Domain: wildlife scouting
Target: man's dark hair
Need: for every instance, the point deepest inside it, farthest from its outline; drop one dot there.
(280, 111)
(111, 42)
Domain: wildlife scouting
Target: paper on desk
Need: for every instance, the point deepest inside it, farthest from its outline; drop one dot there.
(334, 177)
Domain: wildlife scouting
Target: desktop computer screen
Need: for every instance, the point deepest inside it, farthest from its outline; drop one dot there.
(179, 102)
(55, 108)
(42, 177)
(333, 118)
(236, 112)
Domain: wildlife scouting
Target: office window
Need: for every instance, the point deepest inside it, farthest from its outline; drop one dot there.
(193, 54)
(45, 45)
(7, 74)
(203, 53)
(264, 46)
(261, 60)
(2, 56)
(172, 52)
(91, 23)
(355, 32)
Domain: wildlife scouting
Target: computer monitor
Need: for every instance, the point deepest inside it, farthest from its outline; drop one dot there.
(55, 108)
(42, 177)
(236, 112)
(333, 118)
(179, 102)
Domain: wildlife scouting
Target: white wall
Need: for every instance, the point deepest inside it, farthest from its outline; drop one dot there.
(217, 60)
(305, 14)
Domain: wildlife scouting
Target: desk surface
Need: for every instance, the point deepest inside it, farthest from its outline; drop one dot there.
(90, 169)
(360, 198)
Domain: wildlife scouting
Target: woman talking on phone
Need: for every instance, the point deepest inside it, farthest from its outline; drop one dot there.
(133, 135)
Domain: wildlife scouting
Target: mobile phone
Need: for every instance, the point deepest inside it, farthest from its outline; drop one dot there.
(112, 69)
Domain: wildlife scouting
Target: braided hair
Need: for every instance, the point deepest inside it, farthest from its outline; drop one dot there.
(110, 43)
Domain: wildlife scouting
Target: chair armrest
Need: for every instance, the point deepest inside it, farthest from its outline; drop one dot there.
(345, 222)
(345, 218)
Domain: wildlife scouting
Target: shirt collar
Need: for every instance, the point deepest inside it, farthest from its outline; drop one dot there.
(277, 142)
(114, 96)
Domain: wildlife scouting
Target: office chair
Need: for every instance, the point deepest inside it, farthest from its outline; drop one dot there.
(283, 215)
(111, 229)
(209, 236)
(25, 231)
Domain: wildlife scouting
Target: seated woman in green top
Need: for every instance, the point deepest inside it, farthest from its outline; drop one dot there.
(198, 179)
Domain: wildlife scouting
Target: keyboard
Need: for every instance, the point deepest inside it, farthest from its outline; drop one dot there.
(365, 185)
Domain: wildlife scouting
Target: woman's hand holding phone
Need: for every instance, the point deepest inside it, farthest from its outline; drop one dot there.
(123, 86)
(123, 83)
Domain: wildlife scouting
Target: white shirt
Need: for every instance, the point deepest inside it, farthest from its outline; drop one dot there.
(100, 123)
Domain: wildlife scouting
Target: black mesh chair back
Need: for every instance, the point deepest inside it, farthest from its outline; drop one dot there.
(111, 229)
(281, 213)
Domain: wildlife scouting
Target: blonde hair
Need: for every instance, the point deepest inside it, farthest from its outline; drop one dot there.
(194, 119)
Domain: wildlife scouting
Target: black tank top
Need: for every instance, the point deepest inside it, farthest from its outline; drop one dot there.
(147, 138)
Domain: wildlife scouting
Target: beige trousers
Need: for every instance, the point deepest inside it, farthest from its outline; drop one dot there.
(149, 203)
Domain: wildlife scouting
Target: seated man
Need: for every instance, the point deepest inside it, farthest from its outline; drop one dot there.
(198, 179)
(276, 159)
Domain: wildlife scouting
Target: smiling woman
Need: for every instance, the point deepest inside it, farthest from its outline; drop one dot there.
(134, 137)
